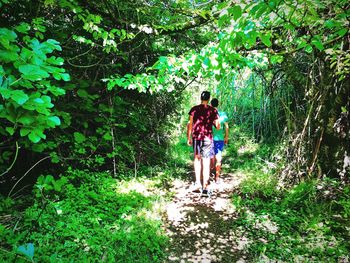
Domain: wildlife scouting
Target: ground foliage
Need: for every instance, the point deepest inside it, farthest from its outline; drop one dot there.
(84, 216)
(308, 222)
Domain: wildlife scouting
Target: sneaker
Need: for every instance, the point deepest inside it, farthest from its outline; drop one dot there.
(206, 192)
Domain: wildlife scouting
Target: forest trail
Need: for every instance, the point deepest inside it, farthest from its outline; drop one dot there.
(200, 228)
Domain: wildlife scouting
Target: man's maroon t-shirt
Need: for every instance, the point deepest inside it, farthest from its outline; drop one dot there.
(203, 120)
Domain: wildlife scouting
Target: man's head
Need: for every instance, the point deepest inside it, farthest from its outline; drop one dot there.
(214, 102)
(205, 95)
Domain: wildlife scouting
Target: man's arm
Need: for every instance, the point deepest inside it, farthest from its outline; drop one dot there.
(226, 133)
(189, 130)
(217, 120)
(217, 124)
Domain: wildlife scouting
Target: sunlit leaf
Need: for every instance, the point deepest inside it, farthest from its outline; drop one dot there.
(27, 250)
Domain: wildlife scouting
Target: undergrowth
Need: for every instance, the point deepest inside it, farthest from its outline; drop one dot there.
(84, 217)
(308, 222)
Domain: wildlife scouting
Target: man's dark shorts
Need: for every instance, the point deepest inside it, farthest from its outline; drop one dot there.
(218, 148)
(204, 148)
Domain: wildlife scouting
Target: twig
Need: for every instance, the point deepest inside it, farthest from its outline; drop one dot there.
(82, 54)
(24, 187)
(85, 66)
(13, 187)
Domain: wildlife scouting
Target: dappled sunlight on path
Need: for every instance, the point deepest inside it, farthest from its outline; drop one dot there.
(200, 227)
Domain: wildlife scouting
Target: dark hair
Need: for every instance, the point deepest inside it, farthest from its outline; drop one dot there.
(205, 95)
(214, 102)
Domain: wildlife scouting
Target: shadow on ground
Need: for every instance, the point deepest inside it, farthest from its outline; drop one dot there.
(200, 228)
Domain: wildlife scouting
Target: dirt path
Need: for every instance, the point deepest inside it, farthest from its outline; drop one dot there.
(200, 228)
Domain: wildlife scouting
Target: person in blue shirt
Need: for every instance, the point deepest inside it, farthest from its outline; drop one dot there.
(220, 138)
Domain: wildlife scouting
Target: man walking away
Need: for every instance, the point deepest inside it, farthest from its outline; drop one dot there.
(200, 136)
(220, 137)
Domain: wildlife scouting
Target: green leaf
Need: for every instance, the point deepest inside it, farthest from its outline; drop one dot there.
(7, 34)
(79, 137)
(223, 20)
(24, 131)
(55, 43)
(342, 32)
(32, 72)
(257, 6)
(276, 59)
(236, 12)
(54, 157)
(107, 136)
(302, 44)
(288, 26)
(266, 39)
(55, 120)
(6, 93)
(23, 27)
(26, 120)
(7, 56)
(251, 37)
(55, 61)
(39, 101)
(34, 137)
(317, 43)
(308, 49)
(206, 61)
(11, 113)
(329, 23)
(47, 101)
(19, 96)
(10, 130)
(56, 91)
(65, 76)
(272, 3)
(26, 54)
(27, 250)
(82, 93)
(57, 76)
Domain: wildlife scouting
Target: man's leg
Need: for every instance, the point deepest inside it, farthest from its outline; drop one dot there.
(218, 167)
(197, 169)
(213, 159)
(218, 157)
(212, 165)
(207, 152)
(206, 171)
(197, 162)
